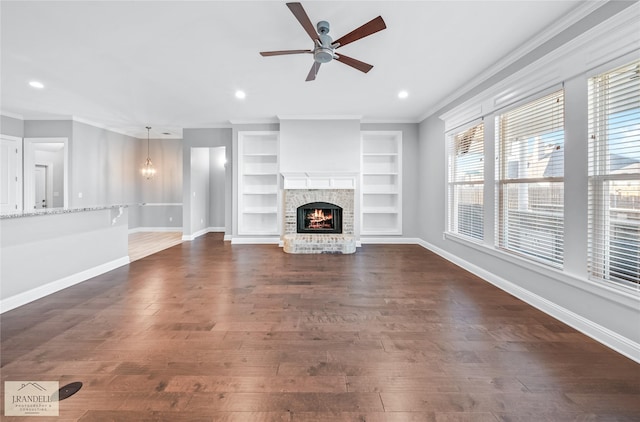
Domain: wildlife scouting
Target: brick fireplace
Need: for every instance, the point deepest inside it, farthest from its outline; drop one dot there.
(303, 190)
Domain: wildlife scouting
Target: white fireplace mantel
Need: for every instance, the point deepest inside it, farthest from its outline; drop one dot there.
(320, 180)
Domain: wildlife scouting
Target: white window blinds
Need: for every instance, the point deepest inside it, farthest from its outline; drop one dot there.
(530, 180)
(614, 175)
(466, 182)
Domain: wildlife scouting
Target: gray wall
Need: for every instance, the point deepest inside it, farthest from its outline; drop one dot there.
(593, 307)
(11, 126)
(162, 194)
(104, 166)
(410, 173)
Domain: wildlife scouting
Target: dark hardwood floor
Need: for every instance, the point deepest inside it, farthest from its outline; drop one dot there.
(207, 331)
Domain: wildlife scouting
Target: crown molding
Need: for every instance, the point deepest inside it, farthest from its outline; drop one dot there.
(389, 121)
(319, 117)
(100, 126)
(581, 11)
(611, 39)
(237, 122)
(12, 115)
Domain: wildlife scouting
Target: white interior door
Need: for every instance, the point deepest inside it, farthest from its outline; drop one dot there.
(41, 186)
(10, 169)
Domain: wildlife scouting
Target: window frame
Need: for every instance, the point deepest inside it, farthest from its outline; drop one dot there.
(452, 208)
(599, 259)
(502, 180)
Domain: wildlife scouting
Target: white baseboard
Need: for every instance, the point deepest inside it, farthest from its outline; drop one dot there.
(57, 285)
(199, 233)
(611, 339)
(255, 240)
(228, 238)
(390, 240)
(155, 229)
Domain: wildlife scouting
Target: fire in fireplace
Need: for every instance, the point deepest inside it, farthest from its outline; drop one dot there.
(319, 217)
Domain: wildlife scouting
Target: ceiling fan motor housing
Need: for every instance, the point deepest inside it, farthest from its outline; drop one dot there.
(323, 53)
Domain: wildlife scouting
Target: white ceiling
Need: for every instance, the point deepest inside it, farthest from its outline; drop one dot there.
(177, 64)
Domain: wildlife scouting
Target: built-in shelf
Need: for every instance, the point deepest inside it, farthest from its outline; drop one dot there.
(381, 183)
(258, 193)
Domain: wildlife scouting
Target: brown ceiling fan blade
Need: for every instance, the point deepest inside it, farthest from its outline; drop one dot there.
(313, 72)
(371, 27)
(303, 18)
(356, 64)
(283, 52)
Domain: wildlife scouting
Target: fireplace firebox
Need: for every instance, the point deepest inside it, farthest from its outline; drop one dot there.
(319, 217)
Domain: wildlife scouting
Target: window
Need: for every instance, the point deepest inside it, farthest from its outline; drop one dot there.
(530, 180)
(614, 175)
(466, 179)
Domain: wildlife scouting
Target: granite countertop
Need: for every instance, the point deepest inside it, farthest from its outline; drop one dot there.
(50, 211)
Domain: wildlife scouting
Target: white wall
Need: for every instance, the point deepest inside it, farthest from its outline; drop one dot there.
(319, 145)
(68, 248)
(217, 170)
(199, 191)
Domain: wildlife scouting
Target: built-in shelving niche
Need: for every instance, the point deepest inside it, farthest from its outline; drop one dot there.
(381, 201)
(258, 194)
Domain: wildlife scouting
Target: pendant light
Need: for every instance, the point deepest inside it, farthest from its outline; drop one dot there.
(148, 171)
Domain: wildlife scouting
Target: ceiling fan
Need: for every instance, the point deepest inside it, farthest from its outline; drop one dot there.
(324, 47)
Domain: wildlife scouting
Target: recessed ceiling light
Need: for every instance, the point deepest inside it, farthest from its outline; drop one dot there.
(36, 84)
(241, 95)
(403, 94)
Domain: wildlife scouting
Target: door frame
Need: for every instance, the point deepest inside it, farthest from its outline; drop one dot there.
(29, 163)
(19, 178)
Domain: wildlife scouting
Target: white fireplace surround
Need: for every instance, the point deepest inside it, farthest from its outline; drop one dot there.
(304, 188)
(329, 180)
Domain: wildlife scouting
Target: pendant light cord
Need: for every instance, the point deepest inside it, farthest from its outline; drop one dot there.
(148, 129)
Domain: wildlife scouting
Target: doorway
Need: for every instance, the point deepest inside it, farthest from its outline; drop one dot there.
(46, 179)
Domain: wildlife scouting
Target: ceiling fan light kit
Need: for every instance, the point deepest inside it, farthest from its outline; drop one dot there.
(323, 46)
